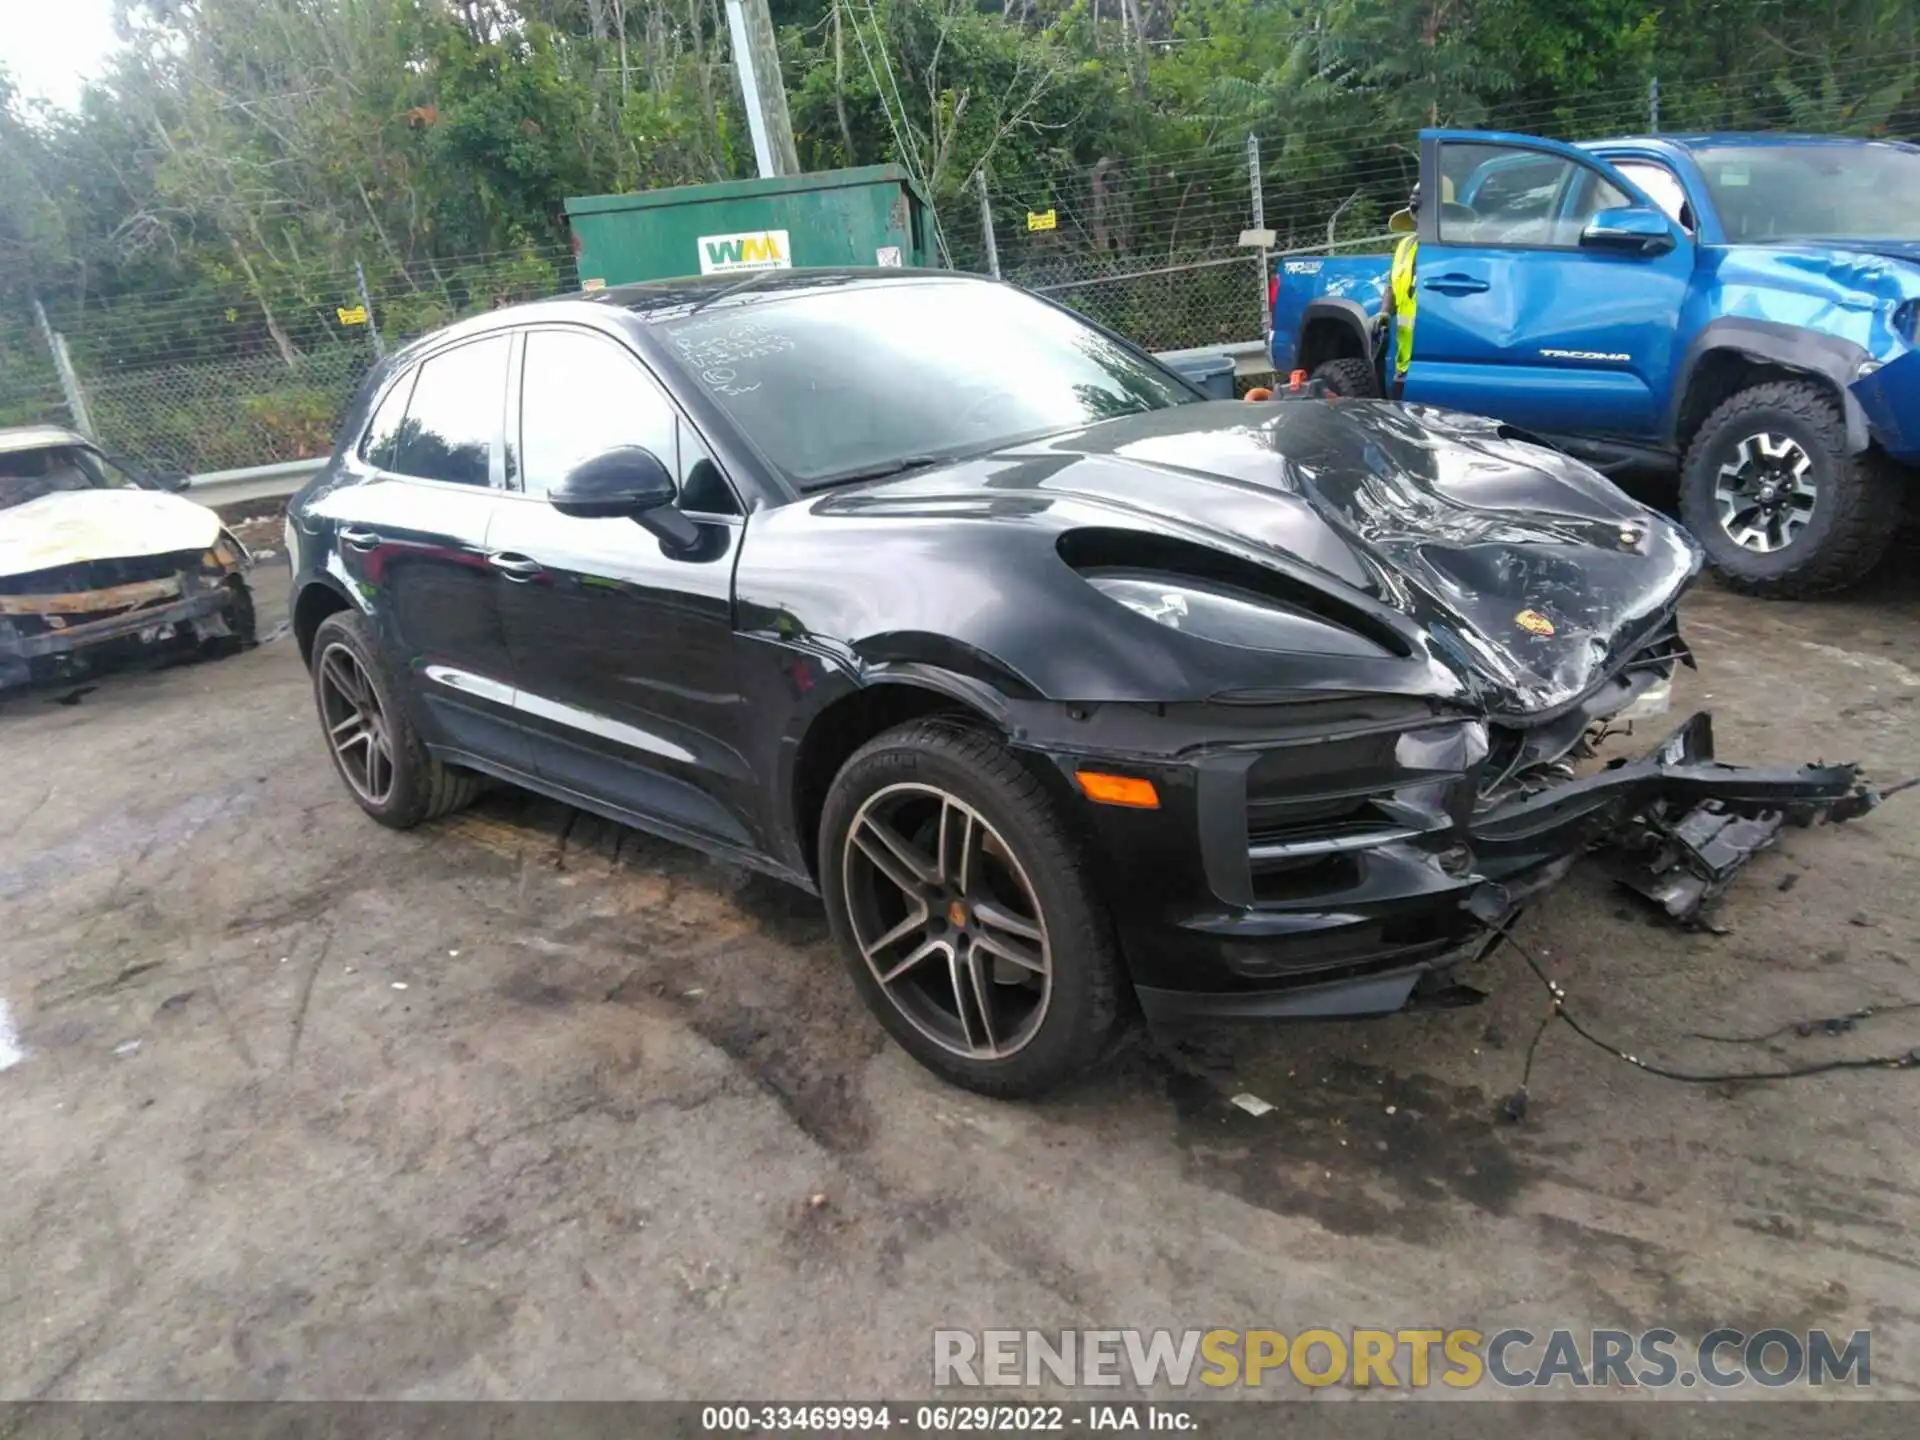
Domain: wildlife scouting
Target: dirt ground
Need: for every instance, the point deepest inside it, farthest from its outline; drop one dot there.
(523, 1105)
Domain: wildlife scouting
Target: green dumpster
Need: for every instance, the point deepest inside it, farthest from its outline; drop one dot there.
(874, 215)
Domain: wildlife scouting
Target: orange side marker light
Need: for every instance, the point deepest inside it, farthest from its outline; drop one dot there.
(1124, 790)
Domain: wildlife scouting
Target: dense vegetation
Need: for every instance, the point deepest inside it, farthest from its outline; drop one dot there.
(215, 190)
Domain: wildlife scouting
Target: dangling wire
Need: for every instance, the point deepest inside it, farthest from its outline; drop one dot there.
(1515, 1105)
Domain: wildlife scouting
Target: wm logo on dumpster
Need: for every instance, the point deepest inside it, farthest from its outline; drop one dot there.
(754, 250)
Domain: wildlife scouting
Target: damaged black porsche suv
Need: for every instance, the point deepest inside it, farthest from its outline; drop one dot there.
(1068, 690)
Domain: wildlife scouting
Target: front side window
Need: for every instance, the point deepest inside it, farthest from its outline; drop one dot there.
(580, 396)
(453, 418)
(1778, 194)
(835, 385)
(1506, 195)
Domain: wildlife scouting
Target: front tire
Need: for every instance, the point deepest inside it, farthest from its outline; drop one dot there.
(376, 750)
(961, 903)
(1353, 379)
(1780, 504)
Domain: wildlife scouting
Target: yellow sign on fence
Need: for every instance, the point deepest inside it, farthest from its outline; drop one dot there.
(1044, 220)
(351, 314)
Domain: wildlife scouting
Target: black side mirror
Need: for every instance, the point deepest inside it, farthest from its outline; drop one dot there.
(1629, 230)
(626, 483)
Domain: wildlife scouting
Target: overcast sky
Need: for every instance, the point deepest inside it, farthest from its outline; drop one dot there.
(52, 46)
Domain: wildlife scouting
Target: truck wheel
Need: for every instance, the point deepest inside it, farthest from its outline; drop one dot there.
(963, 908)
(1352, 378)
(1777, 501)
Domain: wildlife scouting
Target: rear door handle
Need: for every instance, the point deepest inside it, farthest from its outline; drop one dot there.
(516, 567)
(356, 538)
(1456, 285)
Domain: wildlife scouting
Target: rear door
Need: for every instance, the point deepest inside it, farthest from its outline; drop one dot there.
(622, 649)
(411, 537)
(1517, 319)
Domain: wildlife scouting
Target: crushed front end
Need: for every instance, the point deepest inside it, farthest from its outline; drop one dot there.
(1340, 856)
(49, 617)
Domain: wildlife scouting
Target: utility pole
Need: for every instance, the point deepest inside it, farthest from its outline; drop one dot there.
(70, 390)
(986, 226)
(757, 58)
(366, 304)
(1259, 235)
(1653, 105)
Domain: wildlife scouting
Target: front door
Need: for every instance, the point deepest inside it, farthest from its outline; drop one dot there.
(412, 539)
(622, 649)
(1517, 318)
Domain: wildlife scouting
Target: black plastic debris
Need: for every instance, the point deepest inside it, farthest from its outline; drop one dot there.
(1682, 866)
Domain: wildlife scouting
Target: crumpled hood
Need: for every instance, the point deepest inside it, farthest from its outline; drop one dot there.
(1531, 575)
(74, 526)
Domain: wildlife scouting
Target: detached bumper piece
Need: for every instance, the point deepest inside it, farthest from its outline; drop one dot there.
(1679, 824)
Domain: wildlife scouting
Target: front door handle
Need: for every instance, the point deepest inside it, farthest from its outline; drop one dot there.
(356, 538)
(516, 567)
(1456, 285)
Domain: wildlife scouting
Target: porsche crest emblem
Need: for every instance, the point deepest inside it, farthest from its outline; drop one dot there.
(1534, 623)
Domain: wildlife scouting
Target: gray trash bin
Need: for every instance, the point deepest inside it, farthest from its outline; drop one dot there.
(1212, 373)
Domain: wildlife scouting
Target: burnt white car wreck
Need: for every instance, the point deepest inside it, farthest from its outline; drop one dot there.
(98, 563)
(1069, 691)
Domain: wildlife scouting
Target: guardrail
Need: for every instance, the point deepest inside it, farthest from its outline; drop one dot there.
(257, 482)
(277, 482)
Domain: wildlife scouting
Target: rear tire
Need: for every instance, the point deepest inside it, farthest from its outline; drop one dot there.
(1776, 499)
(402, 785)
(992, 872)
(1353, 379)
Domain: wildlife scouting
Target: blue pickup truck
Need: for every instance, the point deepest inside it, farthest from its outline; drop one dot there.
(1736, 310)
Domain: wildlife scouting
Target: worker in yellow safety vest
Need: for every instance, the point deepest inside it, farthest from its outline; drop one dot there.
(1401, 302)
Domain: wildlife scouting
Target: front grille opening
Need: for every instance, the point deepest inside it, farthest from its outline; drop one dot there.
(1276, 820)
(1275, 881)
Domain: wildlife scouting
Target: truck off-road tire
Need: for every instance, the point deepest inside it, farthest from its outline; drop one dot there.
(1353, 378)
(375, 748)
(1781, 506)
(961, 902)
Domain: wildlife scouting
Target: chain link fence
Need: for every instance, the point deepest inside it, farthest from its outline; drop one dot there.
(228, 414)
(214, 381)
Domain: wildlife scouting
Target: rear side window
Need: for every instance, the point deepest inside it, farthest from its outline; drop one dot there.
(377, 445)
(453, 419)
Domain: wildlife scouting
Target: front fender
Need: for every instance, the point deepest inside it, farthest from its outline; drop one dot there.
(1835, 360)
